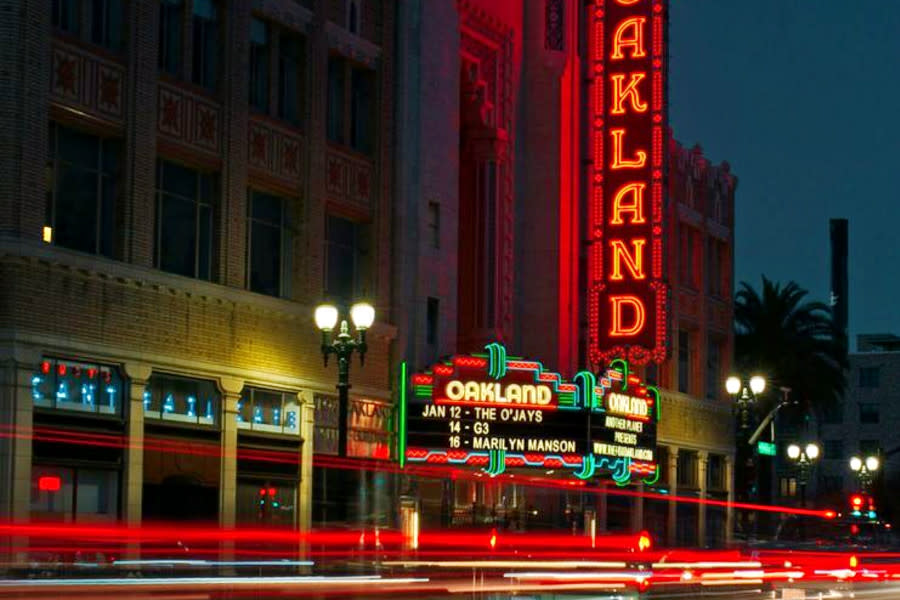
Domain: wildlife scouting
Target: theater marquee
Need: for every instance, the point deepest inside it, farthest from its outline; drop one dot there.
(627, 300)
(497, 412)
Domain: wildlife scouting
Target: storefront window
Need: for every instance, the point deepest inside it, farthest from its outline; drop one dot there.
(270, 411)
(74, 494)
(181, 400)
(261, 501)
(71, 385)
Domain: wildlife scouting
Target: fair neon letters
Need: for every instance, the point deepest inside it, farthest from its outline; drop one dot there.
(620, 92)
(619, 327)
(634, 28)
(628, 314)
(634, 261)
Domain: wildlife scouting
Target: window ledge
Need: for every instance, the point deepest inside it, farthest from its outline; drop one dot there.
(351, 46)
(167, 283)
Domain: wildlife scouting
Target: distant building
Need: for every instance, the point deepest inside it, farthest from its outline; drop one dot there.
(867, 423)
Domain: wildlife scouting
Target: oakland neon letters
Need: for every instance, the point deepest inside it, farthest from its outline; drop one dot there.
(627, 304)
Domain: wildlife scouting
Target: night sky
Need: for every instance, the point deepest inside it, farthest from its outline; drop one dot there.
(802, 98)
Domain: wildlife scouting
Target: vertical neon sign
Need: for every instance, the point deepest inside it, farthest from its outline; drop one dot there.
(627, 303)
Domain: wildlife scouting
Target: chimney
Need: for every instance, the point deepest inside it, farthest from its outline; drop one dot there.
(839, 286)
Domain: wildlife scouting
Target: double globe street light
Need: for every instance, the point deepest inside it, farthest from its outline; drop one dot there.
(343, 345)
(804, 458)
(745, 398)
(864, 470)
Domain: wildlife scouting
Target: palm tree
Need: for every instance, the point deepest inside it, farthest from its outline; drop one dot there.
(793, 343)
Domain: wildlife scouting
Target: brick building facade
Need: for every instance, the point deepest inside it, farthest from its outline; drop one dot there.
(183, 181)
(494, 93)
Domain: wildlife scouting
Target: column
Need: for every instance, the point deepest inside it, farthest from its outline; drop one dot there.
(231, 395)
(601, 510)
(133, 477)
(672, 478)
(307, 434)
(15, 446)
(637, 510)
(305, 488)
(702, 464)
(729, 511)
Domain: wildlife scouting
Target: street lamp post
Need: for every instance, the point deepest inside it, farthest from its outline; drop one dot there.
(342, 346)
(744, 393)
(745, 396)
(804, 458)
(864, 469)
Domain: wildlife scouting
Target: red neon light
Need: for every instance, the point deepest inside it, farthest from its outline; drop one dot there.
(422, 379)
(49, 483)
(494, 404)
(618, 328)
(470, 361)
(636, 40)
(627, 293)
(443, 370)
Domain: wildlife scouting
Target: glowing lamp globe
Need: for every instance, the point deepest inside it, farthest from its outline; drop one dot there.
(733, 385)
(362, 314)
(757, 384)
(326, 317)
(812, 451)
(855, 463)
(793, 451)
(872, 463)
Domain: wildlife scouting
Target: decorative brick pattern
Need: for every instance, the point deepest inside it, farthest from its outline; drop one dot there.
(86, 81)
(349, 178)
(275, 151)
(189, 119)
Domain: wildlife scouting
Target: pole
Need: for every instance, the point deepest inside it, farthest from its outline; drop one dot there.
(343, 388)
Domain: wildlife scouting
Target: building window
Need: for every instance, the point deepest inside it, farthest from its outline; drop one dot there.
(184, 220)
(714, 272)
(353, 16)
(869, 377)
(259, 65)
(868, 413)
(83, 176)
(432, 321)
(269, 256)
(715, 472)
(346, 259)
(206, 48)
(171, 17)
(107, 24)
(553, 24)
(269, 411)
(290, 77)
(264, 501)
(687, 468)
(869, 448)
(78, 386)
(713, 367)
(351, 118)
(66, 15)
(834, 449)
(685, 356)
(181, 400)
(434, 224)
(788, 487)
(74, 494)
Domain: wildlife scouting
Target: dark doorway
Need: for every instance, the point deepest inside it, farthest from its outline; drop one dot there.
(180, 498)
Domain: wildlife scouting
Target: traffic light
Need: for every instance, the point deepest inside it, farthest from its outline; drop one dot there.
(856, 502)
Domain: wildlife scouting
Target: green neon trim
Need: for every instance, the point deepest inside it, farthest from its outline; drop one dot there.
(588, 386)
(654, 478)
(588, 466)
(657, 401)
(401, 418)
(497, 359)
(624, 370)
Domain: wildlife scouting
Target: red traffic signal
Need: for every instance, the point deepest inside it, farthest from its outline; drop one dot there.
(856, 501)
